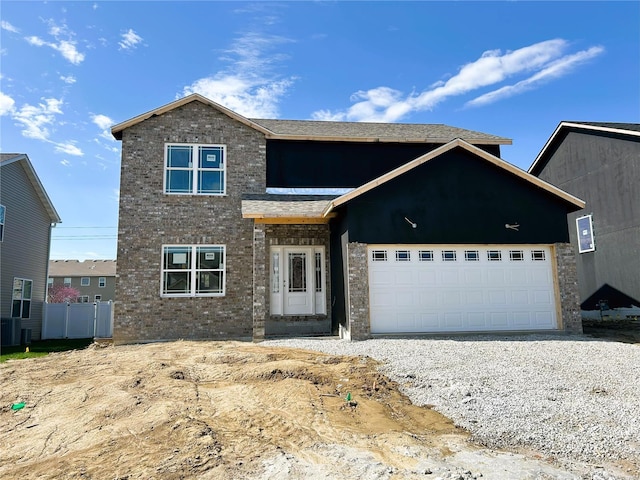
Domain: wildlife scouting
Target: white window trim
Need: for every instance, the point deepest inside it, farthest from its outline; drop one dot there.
(83, 284)
(591, 247)
(192, 271)
(97, 298)
(195, 169)
(65, 283)
(22, 297)
(3, 214)
(102, 282)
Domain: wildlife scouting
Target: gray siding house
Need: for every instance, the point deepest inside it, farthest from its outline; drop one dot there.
(419, 229)
(26, 218)
(600, 163)
(94, 279)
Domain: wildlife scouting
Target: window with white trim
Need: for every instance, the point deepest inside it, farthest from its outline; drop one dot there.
(448, 255)
(403, 255)
(21, 306)
(516, 255)
(83, 299)
(494, 255)
(85, 281)
(193, 271)
(471, 255)
(67, 281)
(102, 282)
(378, 255)
(97, 298)
(3, 209)
(584, 226)
(193, 169)
(425, 255)
(537, 255)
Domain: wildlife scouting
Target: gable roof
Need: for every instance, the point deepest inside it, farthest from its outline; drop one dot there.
(630, 129)
(86, 268)
(512, 169)
(330, 131)
(23, 159)
(298, 208)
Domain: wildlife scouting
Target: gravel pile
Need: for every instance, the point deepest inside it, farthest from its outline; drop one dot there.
(572, 398)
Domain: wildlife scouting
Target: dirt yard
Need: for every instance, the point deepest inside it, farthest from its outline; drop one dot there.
(226, 410)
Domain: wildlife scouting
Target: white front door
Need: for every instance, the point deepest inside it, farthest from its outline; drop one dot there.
(298, 292)
(297, 280)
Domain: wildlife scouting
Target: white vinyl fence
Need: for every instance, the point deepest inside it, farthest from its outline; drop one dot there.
(77, 320)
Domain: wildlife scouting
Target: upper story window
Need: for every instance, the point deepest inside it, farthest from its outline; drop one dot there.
(67, 281)
(102, 282)
(2, 211)
(85, 281)
(585, 234)
(192, 169)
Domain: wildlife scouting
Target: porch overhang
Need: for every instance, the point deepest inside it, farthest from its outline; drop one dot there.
(287, 209)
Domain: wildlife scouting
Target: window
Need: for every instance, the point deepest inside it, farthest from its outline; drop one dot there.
(403, 255)
(448, 255)
(425, 255)
(585, 234)
(97, 298)
(537, 255)
(193, 271)
(379, 255)
(472, 255)
(21, 306)
(67, 281)
(494, 255)
(516, 255)
(192, 169)
(49, 281)
(83, 299)
(85, 281)
(102, 282)
(2, 212)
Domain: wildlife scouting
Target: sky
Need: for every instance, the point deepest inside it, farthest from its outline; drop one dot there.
(71, 70)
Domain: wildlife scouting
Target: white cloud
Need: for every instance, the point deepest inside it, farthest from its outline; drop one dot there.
(129, 40)
(545, 60)
(37, 119)
(104, 123)
(8, 27)
(65, 163)
(6, 104)
(249, 85)
(70, 79)
(66, 47)
(69, 148)
(555, 69)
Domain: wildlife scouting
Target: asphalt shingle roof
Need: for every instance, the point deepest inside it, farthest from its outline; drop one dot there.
(87, 268)
(284, 206)
(402, 132)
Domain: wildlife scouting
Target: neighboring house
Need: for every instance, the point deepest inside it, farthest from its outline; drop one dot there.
(94, 279)
(26, 218)
(426, 230)
(600, 163)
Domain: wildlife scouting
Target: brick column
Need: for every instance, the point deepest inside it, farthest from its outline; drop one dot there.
(259, 281)
(358, 298)
(568, 286)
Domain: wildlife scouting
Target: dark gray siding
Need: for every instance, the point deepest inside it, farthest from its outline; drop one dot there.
(604, 171)
(24, 253)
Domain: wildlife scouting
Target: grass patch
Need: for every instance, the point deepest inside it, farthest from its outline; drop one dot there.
(43, 347)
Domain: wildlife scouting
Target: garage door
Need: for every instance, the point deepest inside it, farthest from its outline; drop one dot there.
(434, 288)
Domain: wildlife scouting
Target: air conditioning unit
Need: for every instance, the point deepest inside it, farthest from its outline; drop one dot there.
(10, 331)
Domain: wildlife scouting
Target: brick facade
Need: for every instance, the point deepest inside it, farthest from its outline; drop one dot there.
(358, 292)
(150, 219)
(567, 274)
(266, 236)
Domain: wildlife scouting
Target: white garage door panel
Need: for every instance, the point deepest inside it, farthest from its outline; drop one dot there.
(483, 289)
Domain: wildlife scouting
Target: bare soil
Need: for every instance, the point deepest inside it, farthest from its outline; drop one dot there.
(223, 410)
(619, 330)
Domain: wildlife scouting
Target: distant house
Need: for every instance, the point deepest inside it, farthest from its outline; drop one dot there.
(26, 218)
(94, 279)
(423, 228)
(600, 163)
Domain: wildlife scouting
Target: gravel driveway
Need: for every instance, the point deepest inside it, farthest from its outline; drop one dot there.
(574, 399)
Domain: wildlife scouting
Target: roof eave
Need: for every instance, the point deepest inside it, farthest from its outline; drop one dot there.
(439, 140)
(117, 130)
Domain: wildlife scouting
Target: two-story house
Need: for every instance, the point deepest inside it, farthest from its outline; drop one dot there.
(95, 280)
(423, 229)
(600, 162)
(26, 219)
